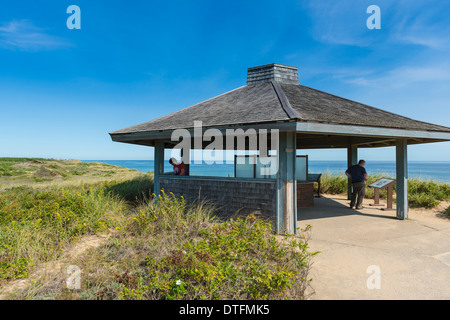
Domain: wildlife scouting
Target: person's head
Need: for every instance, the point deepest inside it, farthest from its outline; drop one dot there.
(173, 161)
(361, 163)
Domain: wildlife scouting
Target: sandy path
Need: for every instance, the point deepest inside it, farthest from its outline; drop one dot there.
(54, 268)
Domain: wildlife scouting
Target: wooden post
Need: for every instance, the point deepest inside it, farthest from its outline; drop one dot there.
(390, 191)
(352, 159)
(389, 197)
(159, 165)
(376, 196)
(402, 178)
(286, 210)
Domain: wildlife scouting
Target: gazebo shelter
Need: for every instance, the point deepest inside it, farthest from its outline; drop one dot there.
(302, 118)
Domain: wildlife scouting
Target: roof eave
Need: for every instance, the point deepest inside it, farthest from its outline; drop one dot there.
(282, 126)
(357, 130)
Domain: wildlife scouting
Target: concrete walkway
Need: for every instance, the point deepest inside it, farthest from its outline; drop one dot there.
(369, 254)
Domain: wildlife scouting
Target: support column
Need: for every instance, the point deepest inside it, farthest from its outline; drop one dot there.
(402, 178)
(159, 165)
(286, 210)
(352, 159)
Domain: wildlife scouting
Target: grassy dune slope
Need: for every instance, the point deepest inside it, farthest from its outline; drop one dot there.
(35, 172)
(102, 220)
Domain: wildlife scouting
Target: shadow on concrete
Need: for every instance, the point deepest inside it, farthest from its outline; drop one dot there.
(443, 215)
(334, 207)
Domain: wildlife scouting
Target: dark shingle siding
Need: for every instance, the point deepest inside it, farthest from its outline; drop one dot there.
(228, 195)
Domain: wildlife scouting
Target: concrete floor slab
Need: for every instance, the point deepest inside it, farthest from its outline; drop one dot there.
(369, 254)
(444, 257)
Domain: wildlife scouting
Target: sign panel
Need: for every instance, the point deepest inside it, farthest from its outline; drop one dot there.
(381, 183)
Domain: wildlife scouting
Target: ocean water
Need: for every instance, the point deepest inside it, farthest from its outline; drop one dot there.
(431, 170)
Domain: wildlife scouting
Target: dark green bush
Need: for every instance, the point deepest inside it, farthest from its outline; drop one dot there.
(422, 193)
(134, 190)
(235, 259)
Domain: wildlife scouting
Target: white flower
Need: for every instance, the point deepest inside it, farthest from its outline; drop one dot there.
(178, 282)
(184, 252)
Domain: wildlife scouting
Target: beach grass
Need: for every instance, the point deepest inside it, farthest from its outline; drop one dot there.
(143, 248)
(8, 166)
(38, 172)
(422, 193)
(37, 224)
(146, 248)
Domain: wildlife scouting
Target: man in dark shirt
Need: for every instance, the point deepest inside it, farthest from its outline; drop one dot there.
(358, 175)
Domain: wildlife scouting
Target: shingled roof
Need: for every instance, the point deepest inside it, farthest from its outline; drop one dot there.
(267, 99)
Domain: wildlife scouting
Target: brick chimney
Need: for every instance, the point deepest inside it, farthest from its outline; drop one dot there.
(272, 72)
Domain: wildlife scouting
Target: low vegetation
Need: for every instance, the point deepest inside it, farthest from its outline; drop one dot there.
(163, 249)
(37, 173)
(172, 250)
(148, 248)
(8, 166)
(37, 224)
(447, 211)
(421, 193)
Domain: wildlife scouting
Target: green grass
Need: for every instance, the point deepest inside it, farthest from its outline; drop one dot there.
(7, 168)
(134, 190)
(169, 249)
(45, 172)
(201, 259)
(36, 225)
(421, 193)
(163, 249)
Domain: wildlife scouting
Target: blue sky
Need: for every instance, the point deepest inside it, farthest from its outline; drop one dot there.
(62, 91)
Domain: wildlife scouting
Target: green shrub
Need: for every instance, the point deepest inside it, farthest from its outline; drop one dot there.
(422, 193)
(18, 269)
(201, 259)
(36, 224)
(7, 166)
(439, 191)
(134, 190)
(333, 184)
(159, 248)
(35, 179)
(422, 200)
(447, 211)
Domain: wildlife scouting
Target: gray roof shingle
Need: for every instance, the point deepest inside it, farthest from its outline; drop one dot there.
(247, 104)
(319, 106)
(260, 103)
